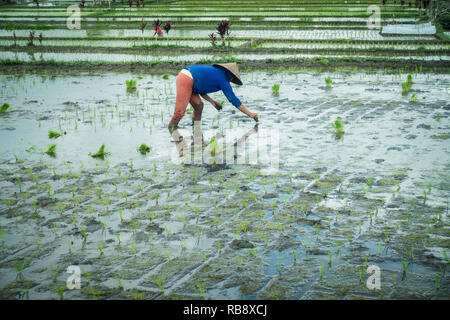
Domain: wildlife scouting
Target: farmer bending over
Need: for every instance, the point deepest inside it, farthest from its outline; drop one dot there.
(193, 81)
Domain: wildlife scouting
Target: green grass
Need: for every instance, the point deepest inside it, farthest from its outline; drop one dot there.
(328, 82)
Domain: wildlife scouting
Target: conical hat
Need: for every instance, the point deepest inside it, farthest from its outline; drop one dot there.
(233, 68)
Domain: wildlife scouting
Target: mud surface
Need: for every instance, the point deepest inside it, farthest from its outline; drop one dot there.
(144, 226)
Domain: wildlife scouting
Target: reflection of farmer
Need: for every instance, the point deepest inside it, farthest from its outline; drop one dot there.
(194, 150)
(193, 81)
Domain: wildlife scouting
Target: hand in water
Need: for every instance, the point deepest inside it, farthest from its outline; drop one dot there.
(218, 106)
(254, 116)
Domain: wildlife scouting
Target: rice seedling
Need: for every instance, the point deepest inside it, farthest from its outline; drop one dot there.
(444, 253)
(133, 248)
(165, 76)
(86, 275)
(61, 292)
(160, 283)
(83, 232)
(321, 272)
(328, 82)
(19, 265)
(436, 279)
(100, 153)
(413, 98)
(142, 26)
(200, 289)
(219, 247)
(5, 106)
(51, 150)
(54, 134)
(168, 255)
(101, 247)
(119, 282)
(131, 85)
(404, 267)
(276, 89)
(338, 126)
(144, 149)
(424, 196)
(361, 273)
(330, 257)
(204, 257)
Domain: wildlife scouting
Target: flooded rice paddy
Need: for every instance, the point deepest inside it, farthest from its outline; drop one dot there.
(143, 226)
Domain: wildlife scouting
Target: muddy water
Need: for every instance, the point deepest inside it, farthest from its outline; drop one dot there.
(226, 231)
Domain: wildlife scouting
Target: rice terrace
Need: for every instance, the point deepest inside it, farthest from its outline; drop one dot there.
(350, 199)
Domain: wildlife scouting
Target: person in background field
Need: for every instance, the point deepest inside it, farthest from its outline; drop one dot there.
(82, 4)
(158, 30)
(37, 3)
(199, 80)
(130, 2)
(137, 3)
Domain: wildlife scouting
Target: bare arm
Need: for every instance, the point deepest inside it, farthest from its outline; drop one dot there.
(243, 109)
(216, 105)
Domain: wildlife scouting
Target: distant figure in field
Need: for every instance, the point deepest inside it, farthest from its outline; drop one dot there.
(158, 31)
(137, 3)
(130, 2)
(37, 3)
(82, 4)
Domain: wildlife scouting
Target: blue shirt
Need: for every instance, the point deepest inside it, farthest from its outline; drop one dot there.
(209, 79)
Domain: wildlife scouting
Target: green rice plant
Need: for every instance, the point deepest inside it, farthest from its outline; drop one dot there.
(204, 257)
(404, 267)
(51, 150)
(200, 289)
(165, 76)
(413, 98)
(5, 106)
(144, 149)
(330, 257)
(361, 273)
(386, 235)
(276, 89)
(100, 247)
(215, 147)
(445, 255)
(54, 134)
(19, 265)
(338, 126)
(121, 215)
(100, 153)
(279, 267)
(83, 232)
(436, 279)
(424, 196)
(328, 82)
(118, 239)
(119, 282)
(131, 85)
(61, 292)
(86, 275)
(295, 254)
(133, 248)
(243, 226)
(160, 283)
(367, 262)
(321, 272)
